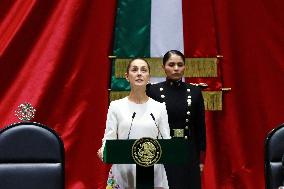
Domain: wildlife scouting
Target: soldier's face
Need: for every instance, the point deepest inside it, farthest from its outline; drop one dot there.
(174, 67)
(138, 74)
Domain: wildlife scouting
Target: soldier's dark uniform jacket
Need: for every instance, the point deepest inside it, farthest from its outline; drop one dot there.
(185, 107)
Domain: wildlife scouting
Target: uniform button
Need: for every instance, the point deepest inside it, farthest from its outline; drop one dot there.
(162, 96)
(186, 127)
(188, 112)
(185, 137)
(186, 120)
(188, 100)
(161, 89)
(189, 96)
(188, 90)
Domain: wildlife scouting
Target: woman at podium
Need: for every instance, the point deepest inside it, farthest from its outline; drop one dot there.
(134, 117)
(185, 107)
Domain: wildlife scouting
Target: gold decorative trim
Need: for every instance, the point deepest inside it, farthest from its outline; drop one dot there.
(201, 67)
(212, 99)
(195, 67)
(115, 95)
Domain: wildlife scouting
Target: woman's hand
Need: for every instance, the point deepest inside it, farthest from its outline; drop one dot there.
(100, 153)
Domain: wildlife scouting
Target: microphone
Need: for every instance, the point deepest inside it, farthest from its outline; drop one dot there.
(156, 125)
(133, 116)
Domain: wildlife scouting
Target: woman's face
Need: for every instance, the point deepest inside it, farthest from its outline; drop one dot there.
(138, 73)
(174, 67)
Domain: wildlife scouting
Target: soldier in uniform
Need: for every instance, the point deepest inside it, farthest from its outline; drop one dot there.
(185, 107)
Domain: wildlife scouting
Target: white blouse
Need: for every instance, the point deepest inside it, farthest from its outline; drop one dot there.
(128, 120)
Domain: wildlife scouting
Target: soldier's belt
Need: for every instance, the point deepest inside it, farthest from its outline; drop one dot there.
(178, 133)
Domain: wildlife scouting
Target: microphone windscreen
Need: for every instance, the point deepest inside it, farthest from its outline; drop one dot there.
(152, 116)
(133, 115)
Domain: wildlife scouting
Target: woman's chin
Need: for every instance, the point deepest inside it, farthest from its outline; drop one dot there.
(138, 84)
(175, 78)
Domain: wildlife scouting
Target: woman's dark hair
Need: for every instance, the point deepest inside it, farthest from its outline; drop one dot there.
(129, 63)
(168, 55)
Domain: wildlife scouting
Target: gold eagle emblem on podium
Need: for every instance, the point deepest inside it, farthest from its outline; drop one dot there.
(146, 151)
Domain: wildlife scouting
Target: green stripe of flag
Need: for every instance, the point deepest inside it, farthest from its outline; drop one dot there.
(132, 30)
(132, 35)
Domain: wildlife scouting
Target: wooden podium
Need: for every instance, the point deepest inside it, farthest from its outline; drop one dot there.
(120, 152)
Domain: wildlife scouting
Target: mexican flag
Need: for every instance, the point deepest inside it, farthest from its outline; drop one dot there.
(148, 29)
